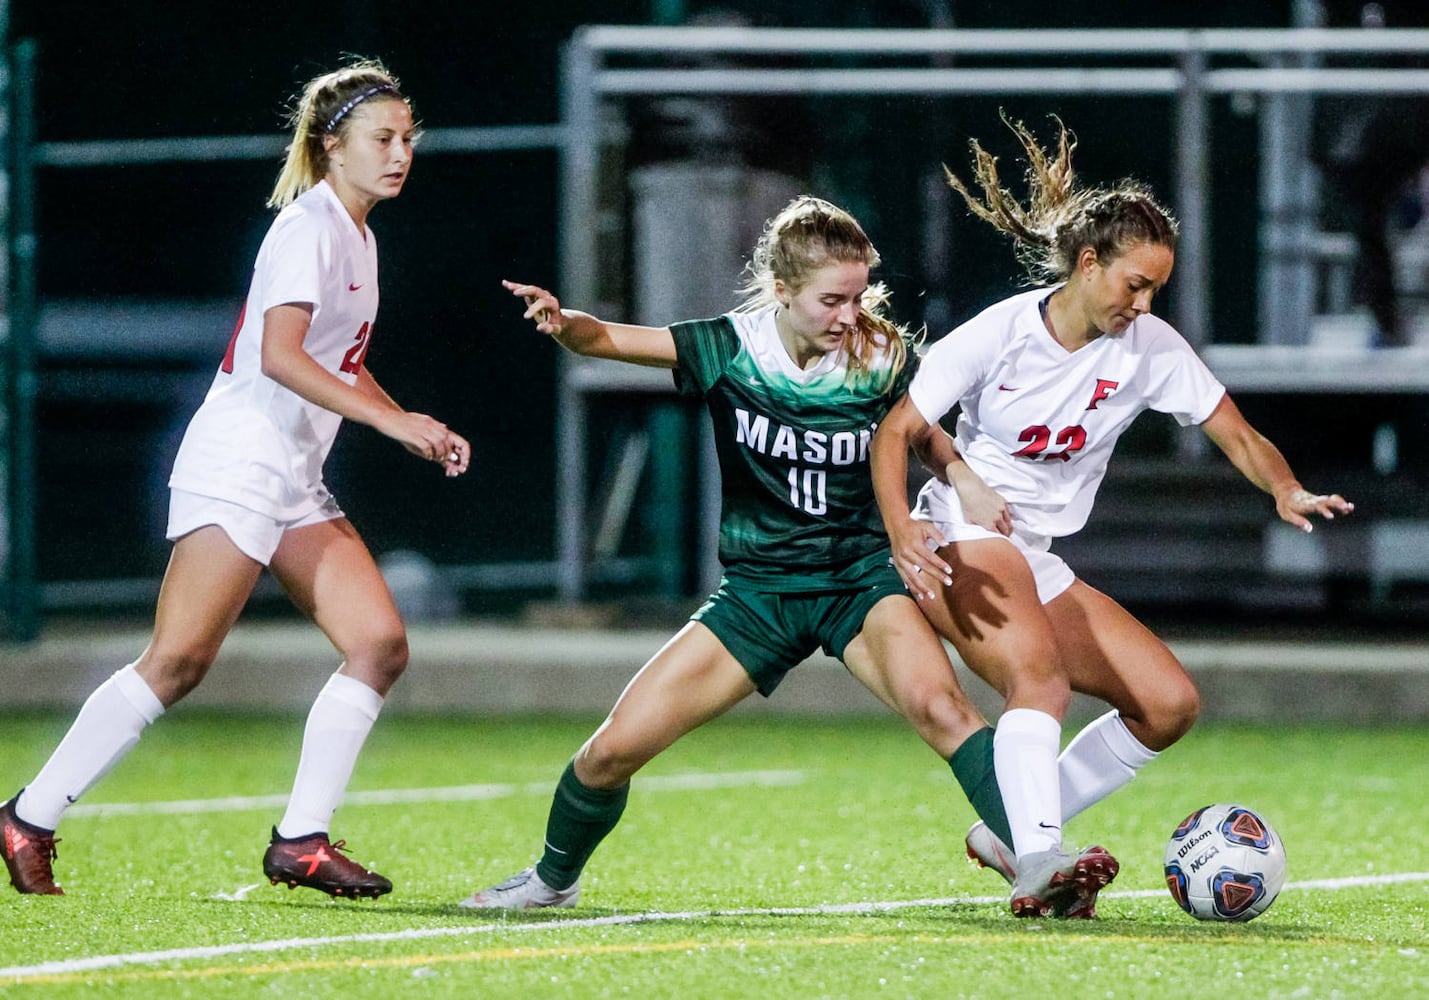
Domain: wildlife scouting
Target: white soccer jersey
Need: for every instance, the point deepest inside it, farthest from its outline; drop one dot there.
(254, 442)
(1039, 422)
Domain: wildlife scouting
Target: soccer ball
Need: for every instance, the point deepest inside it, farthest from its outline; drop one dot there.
(1224, 862)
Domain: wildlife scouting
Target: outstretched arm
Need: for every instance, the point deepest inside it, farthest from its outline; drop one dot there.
(582, 333)
(914, 543)
(1263, 464)
(285, 362)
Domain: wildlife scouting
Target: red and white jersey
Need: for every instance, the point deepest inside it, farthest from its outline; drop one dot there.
(1039, 422)
(254, 442)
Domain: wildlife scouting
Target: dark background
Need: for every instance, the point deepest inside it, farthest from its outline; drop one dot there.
(449, 340)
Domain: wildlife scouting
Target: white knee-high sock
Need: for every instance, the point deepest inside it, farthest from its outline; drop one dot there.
(1024, 754)
(338, 724)
(1100, 759)
(107, 727)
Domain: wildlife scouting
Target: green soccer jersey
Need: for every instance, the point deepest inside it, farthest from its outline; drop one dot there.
(798, 509)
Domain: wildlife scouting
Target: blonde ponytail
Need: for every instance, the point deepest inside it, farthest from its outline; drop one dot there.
(321, 110)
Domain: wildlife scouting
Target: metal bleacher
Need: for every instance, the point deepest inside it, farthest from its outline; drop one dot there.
(1175, 527)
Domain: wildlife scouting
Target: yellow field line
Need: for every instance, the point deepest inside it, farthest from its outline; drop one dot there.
(485, 955)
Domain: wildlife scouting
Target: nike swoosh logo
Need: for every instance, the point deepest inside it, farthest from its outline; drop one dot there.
(1049, 826)
(551, 847)
(353, 288)
(1009, 388)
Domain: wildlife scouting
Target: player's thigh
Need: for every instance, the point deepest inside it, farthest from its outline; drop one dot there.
(991, 612)
(1111, 655)
(691, 680)
(330, 576)
(897, 655)
(205, 587)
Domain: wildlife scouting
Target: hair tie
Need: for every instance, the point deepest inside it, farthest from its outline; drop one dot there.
(381, 88)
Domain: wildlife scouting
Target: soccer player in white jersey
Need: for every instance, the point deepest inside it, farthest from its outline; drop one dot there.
(1047, 381)
(247, 492)
(795, 383)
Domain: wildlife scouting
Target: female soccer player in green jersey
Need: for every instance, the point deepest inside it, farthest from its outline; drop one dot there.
(796, 382)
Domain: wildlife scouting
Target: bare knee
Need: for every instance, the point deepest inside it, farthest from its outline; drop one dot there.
(1176, 717)
(173, 673)
(379, 659)
(943, 718)
(1025, 665)
(1038, 680)
(607, 762)
(1160, 723)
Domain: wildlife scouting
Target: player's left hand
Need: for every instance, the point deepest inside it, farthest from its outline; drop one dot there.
(914, 546)
(1295, 504)
(457, 456)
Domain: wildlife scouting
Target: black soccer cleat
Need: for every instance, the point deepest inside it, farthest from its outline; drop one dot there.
(28, 852)
(316, 862)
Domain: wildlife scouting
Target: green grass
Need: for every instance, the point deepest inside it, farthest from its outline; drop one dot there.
(873, 817)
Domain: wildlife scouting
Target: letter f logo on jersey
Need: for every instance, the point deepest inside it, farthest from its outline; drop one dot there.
(1105, 387)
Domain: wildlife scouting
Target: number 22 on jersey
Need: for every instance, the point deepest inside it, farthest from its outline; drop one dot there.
(1073, 439)
(1039, 436)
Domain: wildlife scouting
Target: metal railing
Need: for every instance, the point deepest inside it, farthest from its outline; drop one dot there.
(605, 65)
(23, 596)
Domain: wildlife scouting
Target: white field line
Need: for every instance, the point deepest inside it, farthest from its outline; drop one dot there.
(19, 973)
(451, 793)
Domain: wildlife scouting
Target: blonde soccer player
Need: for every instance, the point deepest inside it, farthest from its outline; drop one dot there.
(247, 493)
(795, 383)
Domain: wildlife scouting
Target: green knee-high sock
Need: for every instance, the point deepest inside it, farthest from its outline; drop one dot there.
(580, 818)
(973, 767)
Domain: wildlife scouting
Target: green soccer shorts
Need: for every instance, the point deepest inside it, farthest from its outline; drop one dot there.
(771, 633)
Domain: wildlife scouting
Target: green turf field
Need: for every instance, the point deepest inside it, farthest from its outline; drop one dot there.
(758, 858)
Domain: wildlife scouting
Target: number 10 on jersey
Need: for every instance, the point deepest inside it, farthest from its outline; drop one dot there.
(807, 490)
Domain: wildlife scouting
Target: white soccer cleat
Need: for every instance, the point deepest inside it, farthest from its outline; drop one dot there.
(1095, 869)
(986, 850)
(522, 891)
(1045, 883)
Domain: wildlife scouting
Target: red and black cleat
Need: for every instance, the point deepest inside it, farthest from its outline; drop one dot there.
(317, 863)
(28, 852)
(1094, 872)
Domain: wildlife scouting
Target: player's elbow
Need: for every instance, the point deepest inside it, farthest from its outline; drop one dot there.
(271, 364)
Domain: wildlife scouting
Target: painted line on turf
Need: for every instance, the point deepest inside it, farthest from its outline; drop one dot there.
(72, 967)
(450, 793)
(497, 955)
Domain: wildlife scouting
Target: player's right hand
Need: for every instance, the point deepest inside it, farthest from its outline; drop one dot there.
(915, 547)
(541, 306)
